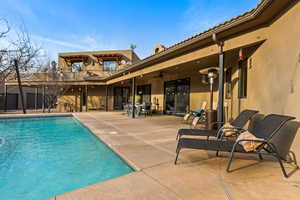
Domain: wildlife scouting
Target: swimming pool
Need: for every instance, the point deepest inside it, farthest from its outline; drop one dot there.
(47, 156)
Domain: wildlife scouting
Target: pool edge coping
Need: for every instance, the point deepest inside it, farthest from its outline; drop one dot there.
(115, 150)
(35, 115)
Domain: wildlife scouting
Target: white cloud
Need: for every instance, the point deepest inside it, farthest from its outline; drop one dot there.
(58, 42)
(83, 43)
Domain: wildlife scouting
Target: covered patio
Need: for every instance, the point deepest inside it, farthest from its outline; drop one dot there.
(148, 145)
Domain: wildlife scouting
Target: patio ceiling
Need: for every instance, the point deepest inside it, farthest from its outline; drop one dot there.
(193, 62)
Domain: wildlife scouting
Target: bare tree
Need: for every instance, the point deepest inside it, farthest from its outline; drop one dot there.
(53, 87)
(18, 56)
(5, 68)
(52, 93)
(5, 28)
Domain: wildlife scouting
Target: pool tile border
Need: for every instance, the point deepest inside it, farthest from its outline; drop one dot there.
(20, 116)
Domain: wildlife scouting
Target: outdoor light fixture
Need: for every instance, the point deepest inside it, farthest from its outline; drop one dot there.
(209, 74)
(241, 54)
(123, 62)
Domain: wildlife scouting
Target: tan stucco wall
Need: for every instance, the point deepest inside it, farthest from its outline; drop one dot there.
(96, 97)
(95, 101)
(68, 103)
(199, 92)
(94, 65)
(273, 76)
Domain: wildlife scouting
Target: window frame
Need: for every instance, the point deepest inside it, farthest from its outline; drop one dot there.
(115, 68)
(143, 88)
(79, 68)
(228, 83)
(243, 79)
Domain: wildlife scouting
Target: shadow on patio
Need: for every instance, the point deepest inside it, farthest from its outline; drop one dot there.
(148, 144)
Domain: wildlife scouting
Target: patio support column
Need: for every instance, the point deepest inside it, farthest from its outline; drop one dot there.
(86, 98)
(76, 99)
(220, 116)
(43, 99)
(35, 98)
(5, 98)
(81, 99)
(133, 97)
(106, 98)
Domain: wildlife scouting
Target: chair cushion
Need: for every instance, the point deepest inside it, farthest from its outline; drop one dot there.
(197, 132)
(227, 128)
(198, 113)
(249, 145)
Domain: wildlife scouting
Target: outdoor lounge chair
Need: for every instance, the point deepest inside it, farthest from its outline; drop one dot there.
(277, 137)
(197, 113)
(238, 123)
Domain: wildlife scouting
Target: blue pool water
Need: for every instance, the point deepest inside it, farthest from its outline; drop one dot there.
(44, 157)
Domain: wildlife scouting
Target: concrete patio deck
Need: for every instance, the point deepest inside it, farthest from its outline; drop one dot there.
(148, 144)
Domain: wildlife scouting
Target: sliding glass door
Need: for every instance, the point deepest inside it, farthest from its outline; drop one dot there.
(177, 96)
(121, 97)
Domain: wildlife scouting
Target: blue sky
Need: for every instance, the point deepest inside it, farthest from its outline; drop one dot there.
(83, 25)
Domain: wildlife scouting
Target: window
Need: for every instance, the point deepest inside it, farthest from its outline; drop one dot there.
(77, 66)
(109, 65)
(144, 93)
(243, 73)
(228, 83)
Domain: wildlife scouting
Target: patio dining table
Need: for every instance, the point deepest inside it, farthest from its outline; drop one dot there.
(139, 108)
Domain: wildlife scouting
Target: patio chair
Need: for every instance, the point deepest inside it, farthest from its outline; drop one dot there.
(237, 123)
(275, 134)
(146, 109)
(196, 113)
(138, 110)
(126, 109)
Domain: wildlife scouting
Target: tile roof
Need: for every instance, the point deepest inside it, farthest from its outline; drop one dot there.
(205, 34)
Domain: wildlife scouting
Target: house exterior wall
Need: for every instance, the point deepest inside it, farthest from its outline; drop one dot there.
(94, 63)
(274, 71)
(71, 100)
(96, 97)
(199, 92)
(14, 90)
